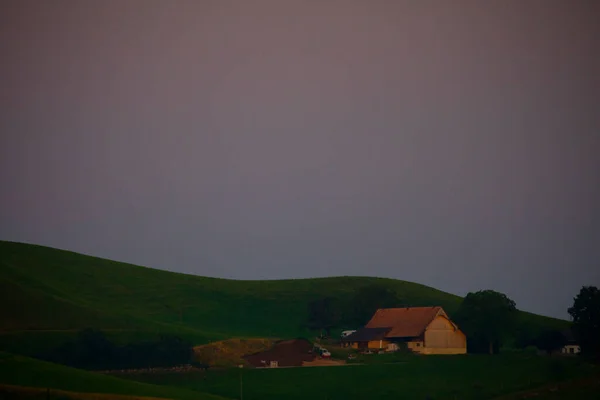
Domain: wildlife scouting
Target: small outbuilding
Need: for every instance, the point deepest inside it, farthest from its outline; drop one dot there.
(571, 347)
(285, 353)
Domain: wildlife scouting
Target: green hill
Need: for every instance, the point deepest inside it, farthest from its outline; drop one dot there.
(28, 372)
(54, 293)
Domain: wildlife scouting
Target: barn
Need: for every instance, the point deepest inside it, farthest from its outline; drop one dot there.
(424, 330)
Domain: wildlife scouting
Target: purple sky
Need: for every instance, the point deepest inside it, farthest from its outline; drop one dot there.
(454, 144)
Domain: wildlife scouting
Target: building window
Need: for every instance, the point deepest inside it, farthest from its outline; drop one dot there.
(418, 344)
(571, 350)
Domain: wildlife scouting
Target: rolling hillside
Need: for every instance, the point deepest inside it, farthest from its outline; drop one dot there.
(55, 293)
(28, 372)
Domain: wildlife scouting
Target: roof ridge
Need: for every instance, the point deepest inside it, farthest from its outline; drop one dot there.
(405, 321)
(408, 308)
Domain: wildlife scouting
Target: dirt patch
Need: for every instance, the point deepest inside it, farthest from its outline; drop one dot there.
(323, 362)
(288, 353)
(231, 352)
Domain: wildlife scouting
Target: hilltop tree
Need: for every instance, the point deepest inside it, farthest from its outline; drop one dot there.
(526, 333)
(323, 314)
(550, 340)
(487, 316)
(586, 320)
(368, 299)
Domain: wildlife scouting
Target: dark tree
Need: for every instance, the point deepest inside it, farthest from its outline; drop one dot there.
(526, 333)
(94, 349)
(550, 341)
(487, 316)
(368, 299)
(172, 350)
(95, 341)
(586, 320)
(91, 349)
(323, 314)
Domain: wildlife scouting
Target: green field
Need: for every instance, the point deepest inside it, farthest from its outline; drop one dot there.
(24, 371)
(53, 293)
(433, 377)
(417, 377)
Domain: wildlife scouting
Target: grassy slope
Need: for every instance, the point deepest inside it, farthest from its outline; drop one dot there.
(50, 289)
(24, 371)
(434, 377)
(15, 392)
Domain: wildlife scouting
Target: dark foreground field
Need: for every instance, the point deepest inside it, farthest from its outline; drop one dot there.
(502, 377)
(19, 376)
(432, 377)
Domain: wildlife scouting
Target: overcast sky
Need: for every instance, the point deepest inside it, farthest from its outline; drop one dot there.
(450, 143)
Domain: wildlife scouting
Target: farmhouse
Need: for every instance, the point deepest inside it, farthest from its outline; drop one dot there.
(286, 353)
(424, 330)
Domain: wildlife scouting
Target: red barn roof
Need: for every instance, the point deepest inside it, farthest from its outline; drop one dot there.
(404, 322)
(367, 335)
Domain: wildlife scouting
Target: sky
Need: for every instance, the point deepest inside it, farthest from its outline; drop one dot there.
(453, 144)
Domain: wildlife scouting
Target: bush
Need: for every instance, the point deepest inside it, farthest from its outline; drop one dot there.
(93, 350)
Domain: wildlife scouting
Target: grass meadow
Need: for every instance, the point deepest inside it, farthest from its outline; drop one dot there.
(51, 294)
(430, 377)
(28, 372)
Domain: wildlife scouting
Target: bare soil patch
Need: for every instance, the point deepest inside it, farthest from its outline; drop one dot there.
(323, 362)
(231, 352)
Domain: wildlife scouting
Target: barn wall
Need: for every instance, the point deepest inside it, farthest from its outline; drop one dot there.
(442, 334)
(416, 346)
(571, 349)
(373, 344)
(378, 344)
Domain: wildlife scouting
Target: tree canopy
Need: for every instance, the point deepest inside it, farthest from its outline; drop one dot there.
(329, 312)
(323, 314)
(487, 316)
(91, 349)
(368, 299)
(550, 340)
(586, 320)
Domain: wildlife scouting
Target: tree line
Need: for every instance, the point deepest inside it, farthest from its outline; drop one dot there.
(491, 317)
(488, 318)
(327, 313)
(92, 349)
